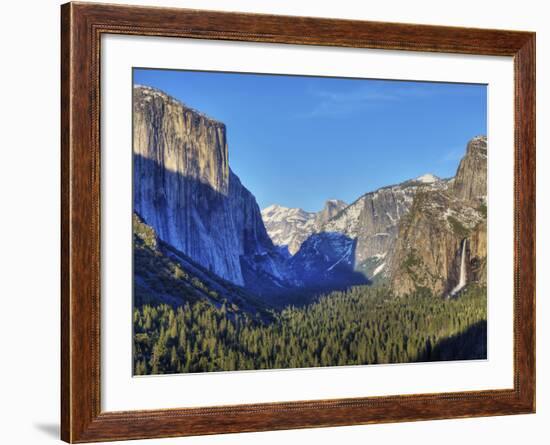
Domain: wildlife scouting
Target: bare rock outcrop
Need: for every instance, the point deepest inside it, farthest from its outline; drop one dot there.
(471, 177)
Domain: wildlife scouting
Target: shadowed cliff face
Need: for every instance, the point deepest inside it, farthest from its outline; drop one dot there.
(184, 188)
(162, 274)
(327, 259)
(212, 228)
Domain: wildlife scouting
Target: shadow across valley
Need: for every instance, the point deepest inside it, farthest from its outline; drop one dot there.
(470, 344)
(324, 263)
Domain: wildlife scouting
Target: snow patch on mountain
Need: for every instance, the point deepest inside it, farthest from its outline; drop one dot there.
(428, 178)
(290, 227)
(378, 269)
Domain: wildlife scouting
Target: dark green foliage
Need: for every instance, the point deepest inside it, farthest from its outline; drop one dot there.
(157, 278)
(144, 233)
(360, 326)
(483, 210)
(411, 261)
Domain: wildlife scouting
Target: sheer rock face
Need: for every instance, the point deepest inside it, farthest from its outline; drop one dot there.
(184, 188)
(331, 209)
(471, 177)
(427, 252)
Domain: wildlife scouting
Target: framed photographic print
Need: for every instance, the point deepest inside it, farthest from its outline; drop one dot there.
(275, 222)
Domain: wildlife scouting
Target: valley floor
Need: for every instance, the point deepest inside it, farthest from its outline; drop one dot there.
(363, 325)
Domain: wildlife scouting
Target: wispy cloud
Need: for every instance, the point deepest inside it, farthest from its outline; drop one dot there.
(355, 96)
(453, 155)
(343, 103)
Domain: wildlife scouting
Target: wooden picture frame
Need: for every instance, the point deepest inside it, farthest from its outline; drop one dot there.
(82, 25)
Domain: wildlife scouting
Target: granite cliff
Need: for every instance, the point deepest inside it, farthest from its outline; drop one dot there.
(470, 183)
(185, 189)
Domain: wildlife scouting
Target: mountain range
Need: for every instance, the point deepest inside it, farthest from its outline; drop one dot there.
(420, 235)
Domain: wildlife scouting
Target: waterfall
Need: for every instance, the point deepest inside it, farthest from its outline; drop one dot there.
(462, 275)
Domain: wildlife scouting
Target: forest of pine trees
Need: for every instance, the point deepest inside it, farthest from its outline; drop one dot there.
(362, 325)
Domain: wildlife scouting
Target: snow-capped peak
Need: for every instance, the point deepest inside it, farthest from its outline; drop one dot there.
(272, 208)
(427, 178)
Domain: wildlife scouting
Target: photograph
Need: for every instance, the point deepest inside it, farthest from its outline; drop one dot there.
(275, 222)
(288, 221)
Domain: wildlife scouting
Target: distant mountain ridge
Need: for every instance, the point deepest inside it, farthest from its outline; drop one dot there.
(372, 221)
(290, 227)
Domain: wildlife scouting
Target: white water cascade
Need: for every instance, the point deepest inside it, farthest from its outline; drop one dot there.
(462, 276)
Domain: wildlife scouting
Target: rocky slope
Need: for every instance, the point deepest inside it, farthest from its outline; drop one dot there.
(428, 249)
(185, 190)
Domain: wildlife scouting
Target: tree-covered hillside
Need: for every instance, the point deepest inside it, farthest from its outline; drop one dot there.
(162, 274)
(360, 326)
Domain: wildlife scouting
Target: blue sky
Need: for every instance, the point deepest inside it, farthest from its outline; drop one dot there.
(298, 141)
